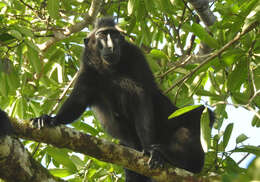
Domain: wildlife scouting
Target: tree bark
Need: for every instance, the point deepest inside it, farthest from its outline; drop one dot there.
(17, 165)
(204, 12)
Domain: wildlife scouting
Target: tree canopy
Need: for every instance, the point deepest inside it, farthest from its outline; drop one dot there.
(199, 51)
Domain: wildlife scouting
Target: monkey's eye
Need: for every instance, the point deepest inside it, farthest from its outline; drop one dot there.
(86, 40)
(101, 35)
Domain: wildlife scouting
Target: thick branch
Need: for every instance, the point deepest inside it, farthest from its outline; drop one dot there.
(16, 163)
(103, 150)
(88, 19)
(202, 8)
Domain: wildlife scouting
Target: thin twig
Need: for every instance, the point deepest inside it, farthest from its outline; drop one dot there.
(254, 111)
(27, 5)
(186, 5)
(182, 19)
(65, 91)
(179, 64)
(241, 160)
(177, 32)
(164, 29)
(88, 19)
(238, 105)
(190, 46)
(245, 157)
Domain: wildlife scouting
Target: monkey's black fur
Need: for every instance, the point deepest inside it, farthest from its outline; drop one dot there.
(105, 22)
(5, 125)
(117, 83)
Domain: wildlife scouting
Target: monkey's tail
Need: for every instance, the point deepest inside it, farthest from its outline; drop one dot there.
(5, 124)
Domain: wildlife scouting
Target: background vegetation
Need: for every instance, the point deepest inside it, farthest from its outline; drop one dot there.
(40, 49)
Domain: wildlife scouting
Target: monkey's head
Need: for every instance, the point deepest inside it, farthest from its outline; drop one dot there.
(105, 41)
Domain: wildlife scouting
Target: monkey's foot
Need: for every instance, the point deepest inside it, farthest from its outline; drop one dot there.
(156, 159)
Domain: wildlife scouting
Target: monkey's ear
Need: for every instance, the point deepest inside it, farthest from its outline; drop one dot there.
(86, 40)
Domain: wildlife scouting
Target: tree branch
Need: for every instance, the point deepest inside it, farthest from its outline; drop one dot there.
(203, 10)
(103, 150)
(88, 19)
(16, 163)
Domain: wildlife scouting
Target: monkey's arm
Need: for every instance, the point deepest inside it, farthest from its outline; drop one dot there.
(72, 108)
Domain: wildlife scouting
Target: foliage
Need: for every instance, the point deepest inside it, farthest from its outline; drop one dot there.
(33, 76)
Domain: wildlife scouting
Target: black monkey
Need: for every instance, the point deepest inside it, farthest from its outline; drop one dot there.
(117, 83)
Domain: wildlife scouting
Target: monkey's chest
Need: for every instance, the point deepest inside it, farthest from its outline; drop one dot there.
(121, 93)
(114, 120)
(115, 108)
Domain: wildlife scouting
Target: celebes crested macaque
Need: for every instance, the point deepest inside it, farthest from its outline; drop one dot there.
(116, 82)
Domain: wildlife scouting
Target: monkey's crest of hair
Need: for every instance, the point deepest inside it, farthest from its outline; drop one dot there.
(105, 22)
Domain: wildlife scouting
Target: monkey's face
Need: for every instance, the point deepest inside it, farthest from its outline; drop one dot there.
(108, 41)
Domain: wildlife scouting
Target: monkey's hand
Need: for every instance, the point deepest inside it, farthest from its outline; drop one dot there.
(44, 121)
(156, 159)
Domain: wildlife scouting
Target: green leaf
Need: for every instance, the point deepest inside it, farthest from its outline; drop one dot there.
(166, 6)
(256, 120)
(247, 7)
(242, 137)
(231, 166)
(62, 157)
(3, 85)
(249, 149)
(238, 76)
(53, 8)
(205, 130)
(255, 16)
(20, 107)
(67, 4)
(36, 110)
(202, 92)
(183, 110)
(13, 80)
(31, 45)
(34, 59)
(2, 4)
(77, 161)
(25, 31)
(85, 127)
(227, 134)
(230, 56)
(152, 63)
(5, 37)
(16, 34)
(131, 6)
(158, 54)
(149, 4)
(220, 111)
(60, 172)
(204, 36)
(140, 13)
(240, 98)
